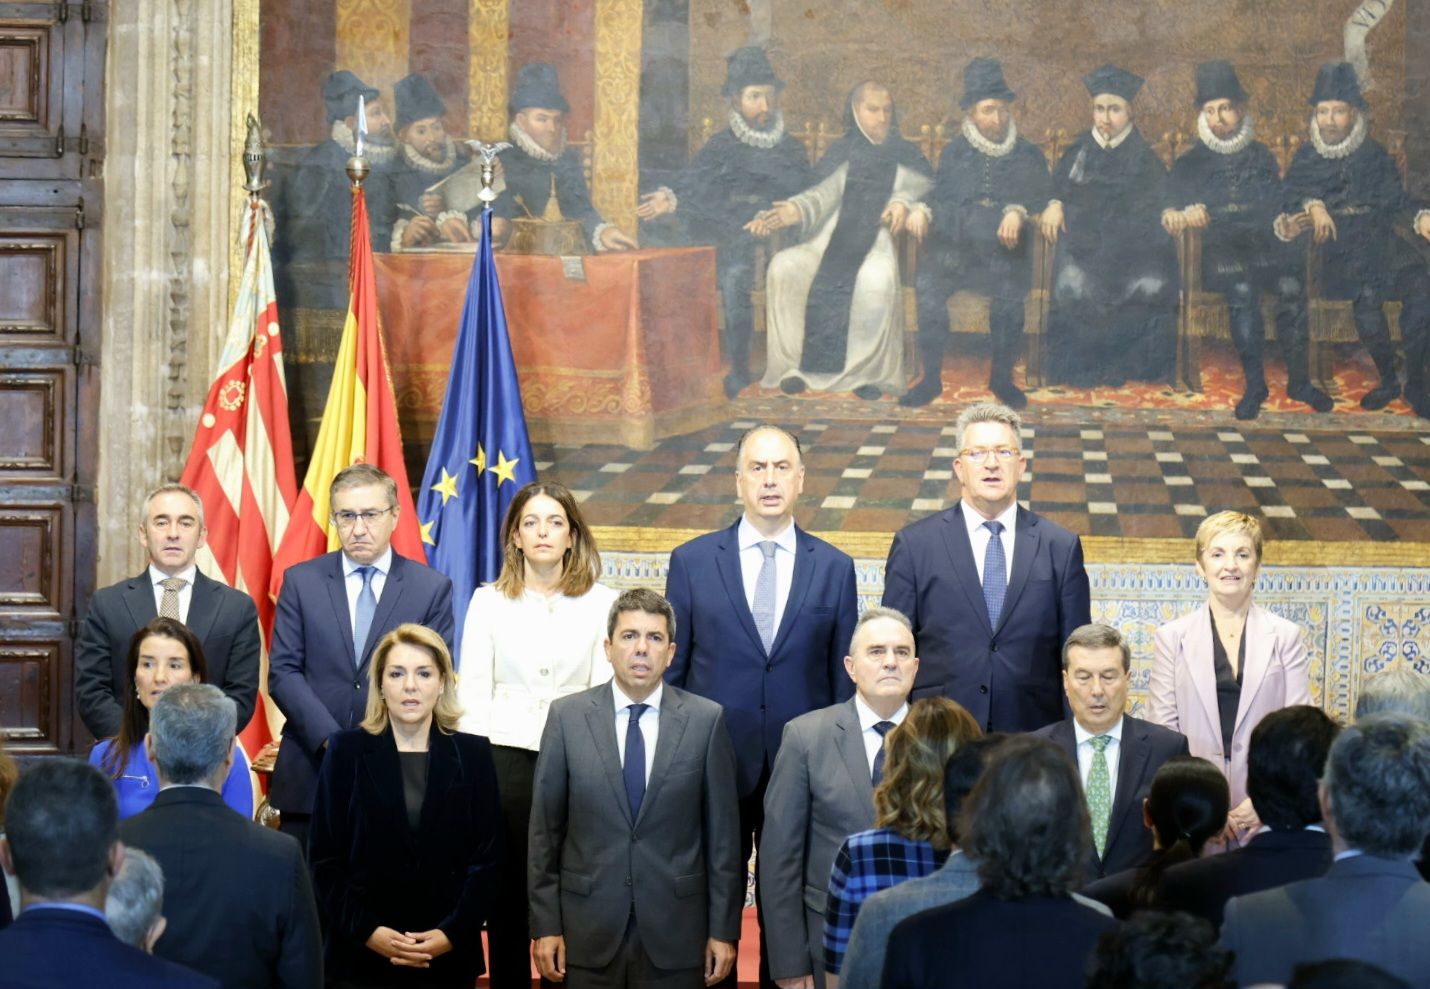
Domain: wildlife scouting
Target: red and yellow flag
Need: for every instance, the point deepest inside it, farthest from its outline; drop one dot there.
(359, 421)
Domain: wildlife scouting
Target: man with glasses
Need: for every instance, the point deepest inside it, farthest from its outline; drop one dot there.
(331, 612)
(992, 589)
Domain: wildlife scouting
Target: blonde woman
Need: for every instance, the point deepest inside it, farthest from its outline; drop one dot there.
(406, 828)
(531, 636)
(1219, 670)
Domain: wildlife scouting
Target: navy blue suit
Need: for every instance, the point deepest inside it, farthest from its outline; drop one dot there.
(1010, 677)
(719, 655)
(312, 673)
(48, 947)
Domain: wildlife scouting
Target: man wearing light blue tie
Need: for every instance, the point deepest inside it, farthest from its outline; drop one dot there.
(993, 590)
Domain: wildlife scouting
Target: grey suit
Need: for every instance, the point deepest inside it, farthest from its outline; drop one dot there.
(820, 792)
(673, 872)
(1364, 908)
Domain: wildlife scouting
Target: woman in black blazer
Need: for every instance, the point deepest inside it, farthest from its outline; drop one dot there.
(406, 828)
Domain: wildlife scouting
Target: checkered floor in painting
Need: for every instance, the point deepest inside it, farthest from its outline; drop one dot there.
(871, 467)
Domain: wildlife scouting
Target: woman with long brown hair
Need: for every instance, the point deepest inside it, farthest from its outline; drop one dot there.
(162, 654)
(533, 635)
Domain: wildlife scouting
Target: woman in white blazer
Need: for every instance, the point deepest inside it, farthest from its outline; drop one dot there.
(537, 633)
(1219, 670)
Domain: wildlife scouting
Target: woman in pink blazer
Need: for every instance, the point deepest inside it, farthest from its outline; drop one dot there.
(1221, 669)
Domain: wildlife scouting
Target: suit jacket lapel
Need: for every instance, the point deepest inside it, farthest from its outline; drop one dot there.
(960, 552)
(850, 741)
(338, 594)
(673, 719)
(382, 617)
(727, 562)
(799, 587)
(1025, 550)
(203, 605)
(1131, 762)
(384, 769)
(601, 722)
(1258, 661)
(1197, 657)
(139, 599)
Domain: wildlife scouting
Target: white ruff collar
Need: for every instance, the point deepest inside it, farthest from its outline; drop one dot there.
(422, 163)
(1108, 143)
(1227, 145)
(376, 154)
(980, 143)
(765, 139)
(1347, 147)
(528, 144)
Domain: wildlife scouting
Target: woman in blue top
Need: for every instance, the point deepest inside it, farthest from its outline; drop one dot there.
(162, 654)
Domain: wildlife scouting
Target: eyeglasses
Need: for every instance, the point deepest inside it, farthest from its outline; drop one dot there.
(1003, 453)
(346, 520)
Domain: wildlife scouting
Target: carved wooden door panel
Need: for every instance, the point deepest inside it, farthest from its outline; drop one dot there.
(51, 124)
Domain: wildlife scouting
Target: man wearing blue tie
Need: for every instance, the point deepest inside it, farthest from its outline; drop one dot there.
(764, 614)
(331, 612)
(993, 590)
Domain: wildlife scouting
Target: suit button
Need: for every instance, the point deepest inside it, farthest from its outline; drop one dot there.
(628, 880)
(357, 684)
(545, 671)
(769, 667)
(993, 647)
(983, 688)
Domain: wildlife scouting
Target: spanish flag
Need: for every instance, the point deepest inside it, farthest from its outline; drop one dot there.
(359, 421)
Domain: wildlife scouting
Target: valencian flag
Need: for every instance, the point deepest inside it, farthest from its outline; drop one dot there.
(481, 453)
(359, 420)
(241, 461)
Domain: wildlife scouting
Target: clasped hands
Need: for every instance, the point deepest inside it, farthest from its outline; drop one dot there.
(409, 950)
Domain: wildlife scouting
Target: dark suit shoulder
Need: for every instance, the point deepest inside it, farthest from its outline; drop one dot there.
(1159, 736)
(1056, 731)
(925, 527)
(707, 542)
(318, 566)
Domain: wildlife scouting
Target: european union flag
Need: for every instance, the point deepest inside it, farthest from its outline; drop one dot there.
(481, 454)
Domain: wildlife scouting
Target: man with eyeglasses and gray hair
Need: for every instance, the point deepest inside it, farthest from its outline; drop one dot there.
(331, 611)
(993, 590)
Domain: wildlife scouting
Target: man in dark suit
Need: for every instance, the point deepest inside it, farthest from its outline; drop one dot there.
(634, 864)
(332, 610)
(1371, 905)
(61, 842)
(763, 636)
(992, 589)
(225, 620)
(237, 897)
(822, 790)
(1116, 754)
(1287, 752)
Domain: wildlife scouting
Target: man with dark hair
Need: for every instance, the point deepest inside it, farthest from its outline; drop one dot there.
(739, 172)
(634, 871)
(764, 614)
(822, 790)
(1229, 186)
(1026, 825)
(1371, 905)
(331, 612)
(1160, 951)
(1287, 752)
(172, 532)
(1117, 755)
(241, 905)
(429, 155)
(989, 179)
(61, 842)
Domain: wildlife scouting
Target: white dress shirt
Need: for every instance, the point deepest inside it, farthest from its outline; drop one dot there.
(752, 559)
(186, 593)
(520, 655)
(873, 741)
(649, 723)
(353, 581)
(1113, 755)
(978, 536)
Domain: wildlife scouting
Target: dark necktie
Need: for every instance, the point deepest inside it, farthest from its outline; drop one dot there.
(362, 614)
(995, 573)
(883, 728)
(634, 769)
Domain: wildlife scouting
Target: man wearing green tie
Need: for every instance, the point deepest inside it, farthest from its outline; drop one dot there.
(1116, 754)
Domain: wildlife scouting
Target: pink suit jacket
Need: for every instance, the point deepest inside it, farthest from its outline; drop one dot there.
(1183, 686)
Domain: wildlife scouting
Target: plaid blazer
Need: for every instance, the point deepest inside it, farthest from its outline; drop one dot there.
(866, 863)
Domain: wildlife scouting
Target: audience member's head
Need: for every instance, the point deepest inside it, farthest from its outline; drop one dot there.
(163, 654)
(882, 660)
(191, 735)
(1343, 973)
(1287, 752)
(1160, 951)
(136, 897)
(1399, 691)
(61, 833)
(1185, 808)
(910, 798)
(962, 773)
(414, 650)
(1375, 793)
(1025, 823)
